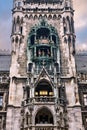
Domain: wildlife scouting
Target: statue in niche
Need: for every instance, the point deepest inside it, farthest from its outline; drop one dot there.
(39, 52)
(48, 53)
(43, 53)
(44, 40)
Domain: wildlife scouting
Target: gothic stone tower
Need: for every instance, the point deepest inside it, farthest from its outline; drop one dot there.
(43, 92)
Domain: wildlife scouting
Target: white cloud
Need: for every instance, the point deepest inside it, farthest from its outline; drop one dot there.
(80, 7)
(81, 47)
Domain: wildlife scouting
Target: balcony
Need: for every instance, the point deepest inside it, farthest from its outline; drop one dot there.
(44, 127)
(43, 58)
(44, 99)
(40, 127)
(40, 100)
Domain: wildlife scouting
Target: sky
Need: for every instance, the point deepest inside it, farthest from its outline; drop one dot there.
(80, 18)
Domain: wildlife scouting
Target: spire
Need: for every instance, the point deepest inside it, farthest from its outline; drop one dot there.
(69, 3)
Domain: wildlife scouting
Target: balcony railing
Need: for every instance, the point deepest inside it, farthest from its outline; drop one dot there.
(44, 99)
(40, 127)
(47, 99)
(44, 127)
(40, 100)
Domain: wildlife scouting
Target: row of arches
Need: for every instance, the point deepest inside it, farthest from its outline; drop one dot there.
(69, 39)
(40, 16)
(68, 23)
(16, 43)
(17, 39)
(18, 20)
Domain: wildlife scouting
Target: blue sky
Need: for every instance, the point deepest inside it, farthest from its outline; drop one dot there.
(80, 7)
(5, 23)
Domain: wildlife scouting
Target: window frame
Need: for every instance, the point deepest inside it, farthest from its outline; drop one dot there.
(85, 99)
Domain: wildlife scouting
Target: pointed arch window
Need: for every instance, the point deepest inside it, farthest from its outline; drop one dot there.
(85, 99)
(1, 100)
(44, 116)
(19, 4)
(43, 89)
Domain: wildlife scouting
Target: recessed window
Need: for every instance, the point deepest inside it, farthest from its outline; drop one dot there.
(15, 5)
(85, 99)
(0, 79)
(19, 4)
(86, 119)
(1, 100)
(0, 123)
(44, 116)
(43, 89)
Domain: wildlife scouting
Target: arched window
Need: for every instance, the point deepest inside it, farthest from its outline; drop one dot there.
(68, 23)
(72, 25)
(50, 17)
(54, 17)
(45, 16)
(13, 26)
(21, 29)
(26, 16)
(31, 16)
(44, 116)
(65, 40)
(43, 33)
(18, 20)
(35, 17)
(27, 116)
(22, 20)
(64, 25)
(40, 16)
(12, 39)
(43, 89)
(69, 39)
(16, 39)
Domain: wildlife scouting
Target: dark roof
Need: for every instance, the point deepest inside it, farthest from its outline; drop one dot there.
(81, 62)
(5, 60)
